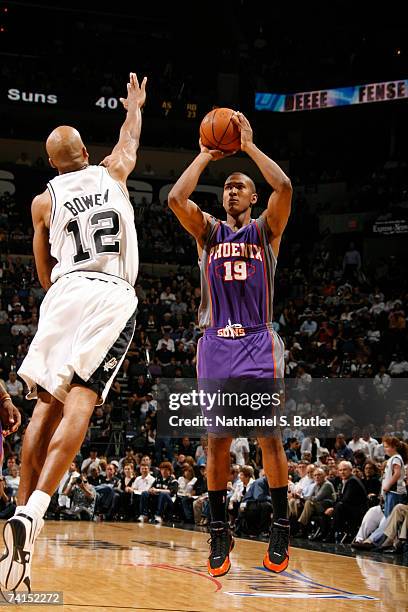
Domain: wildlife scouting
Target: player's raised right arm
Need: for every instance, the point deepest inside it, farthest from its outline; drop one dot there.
(191, 217)
(40, 211)
(122, 160)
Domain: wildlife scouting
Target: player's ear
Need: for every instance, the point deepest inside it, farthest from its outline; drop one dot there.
(85, 153)
(254, 199)
(51, 163)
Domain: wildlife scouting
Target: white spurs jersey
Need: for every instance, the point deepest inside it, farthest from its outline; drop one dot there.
(92, 225)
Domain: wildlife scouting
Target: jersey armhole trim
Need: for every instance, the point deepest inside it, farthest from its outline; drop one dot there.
(263, 233)
(53, 203)
(120, 187)
(215, 224)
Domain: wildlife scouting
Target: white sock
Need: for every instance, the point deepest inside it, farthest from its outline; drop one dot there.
(19, 509)
(38, 503)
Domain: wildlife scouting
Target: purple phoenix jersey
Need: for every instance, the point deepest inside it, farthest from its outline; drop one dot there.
(237, 281)
(237, 274)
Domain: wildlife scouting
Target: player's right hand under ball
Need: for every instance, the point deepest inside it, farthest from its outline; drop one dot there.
(215, 153)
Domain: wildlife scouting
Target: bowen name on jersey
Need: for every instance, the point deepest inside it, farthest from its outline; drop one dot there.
(84, 203)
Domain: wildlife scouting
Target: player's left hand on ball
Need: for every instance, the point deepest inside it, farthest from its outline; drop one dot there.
(10, 417)
(244, 127)
(215, 153)
(136, 94)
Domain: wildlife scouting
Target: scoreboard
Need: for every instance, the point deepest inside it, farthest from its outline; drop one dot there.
(18, 98)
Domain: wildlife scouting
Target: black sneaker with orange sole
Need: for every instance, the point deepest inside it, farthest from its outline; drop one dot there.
(277, 556)
(221, 543)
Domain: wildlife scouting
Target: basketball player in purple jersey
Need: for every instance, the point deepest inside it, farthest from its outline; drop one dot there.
(237, 262)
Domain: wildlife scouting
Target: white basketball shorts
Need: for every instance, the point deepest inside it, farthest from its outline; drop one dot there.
(87, 321)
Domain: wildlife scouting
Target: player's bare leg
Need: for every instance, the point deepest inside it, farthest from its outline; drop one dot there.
(46, 417)
(218, 474)
(276, 469)
(22, 529)
(67, 438)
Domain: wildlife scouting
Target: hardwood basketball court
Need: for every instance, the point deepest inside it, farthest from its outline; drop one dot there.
(130, 566)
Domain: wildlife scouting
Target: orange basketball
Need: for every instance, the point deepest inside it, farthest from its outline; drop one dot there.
(218, 131)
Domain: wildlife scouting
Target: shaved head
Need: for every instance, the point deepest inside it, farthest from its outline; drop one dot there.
(247, 179)
(66, 151)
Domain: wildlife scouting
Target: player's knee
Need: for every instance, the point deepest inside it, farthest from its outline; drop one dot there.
(47, 410)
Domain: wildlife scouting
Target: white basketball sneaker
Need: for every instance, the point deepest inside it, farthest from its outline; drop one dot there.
(19, 534)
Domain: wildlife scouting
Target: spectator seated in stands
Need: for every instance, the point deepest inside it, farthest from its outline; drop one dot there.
(394, 492)
(323, 496)
(246, 475)
(372, 482)
(15, 389)
(13, 480)
(201, 451)
(10, 463)
(8, 502)
(128, 459)
(235, 482)
(178, 464)
(200, 504)
(359, 459)
(357, 443)
(301, 490)
(186, 491)
(108, 492)
(140, 394)
(160, 498)
(311, 444)
(186, 447)
(92, 459)
(349, 508)
(255, 509)
(125, 507)
(396, 529)
(292, 449)
(342, 451)
(140, 485)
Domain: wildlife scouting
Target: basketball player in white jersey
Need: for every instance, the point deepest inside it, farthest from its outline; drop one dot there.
(86, 254)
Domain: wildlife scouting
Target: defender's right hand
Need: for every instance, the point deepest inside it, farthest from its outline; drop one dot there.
(136, 94)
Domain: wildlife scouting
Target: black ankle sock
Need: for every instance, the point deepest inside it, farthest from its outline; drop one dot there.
(279, 503)
(218, 505)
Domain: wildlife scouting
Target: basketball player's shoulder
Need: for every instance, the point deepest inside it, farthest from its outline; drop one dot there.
(111, 171)
(41, 208)
(41, 202)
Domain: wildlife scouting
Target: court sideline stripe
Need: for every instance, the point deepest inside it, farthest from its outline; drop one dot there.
(129, 607)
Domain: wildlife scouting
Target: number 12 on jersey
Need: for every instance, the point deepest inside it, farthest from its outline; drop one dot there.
(235, 270)
(105, 226)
